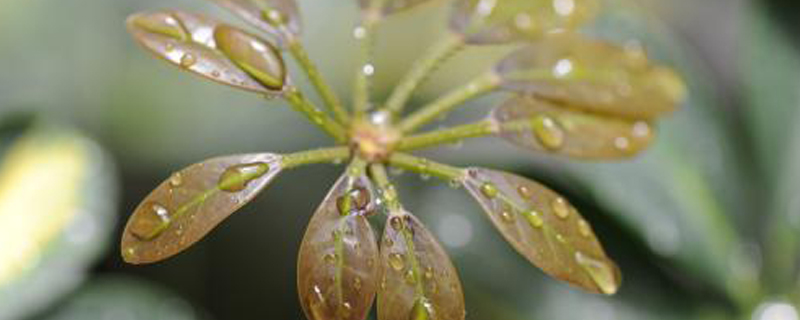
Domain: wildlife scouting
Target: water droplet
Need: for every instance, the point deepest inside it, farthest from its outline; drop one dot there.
(346, 310)
(584, 229)
(397, 223)
(258, 58)
(215, 74)
(129, 253)
(622, 143)
(161, 23)
(316, 304)
(548, 132)
(359, 32)
(369, 69)
(641, 129)
(151, 223)
(454, 183)
(329, 258)
(525, 192)
(236, 178)
(397, 261)
(429, 273)
(564, 7)
(411, 277)
(523, 21)
(188, 60)
(560, 238)
(422, 310)
(560, 207)
(357, 284)
(562, 68)
(485, 7)
(176, 180)
(354, 201)
(507, 216)
(534, 219)
(489, 190)
(604, 274)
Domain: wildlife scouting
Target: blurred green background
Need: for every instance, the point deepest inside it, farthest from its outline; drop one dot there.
(705, 225)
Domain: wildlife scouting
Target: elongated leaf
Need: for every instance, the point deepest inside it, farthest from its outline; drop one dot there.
(503, 21)
(185, 207)
(391, 6)
(210, 49)
(539, 125)
(419, 281)
(337, 271)
(595, 76)
(545, 229)
(267, 15)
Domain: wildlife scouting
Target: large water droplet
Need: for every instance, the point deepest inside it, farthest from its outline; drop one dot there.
(560, 207)
(489, 190)
(548, 132)
(534, 219)
(422, 310)
(258, 58)
(584, 229)
(605, 275)
(329, 258)
(161, 23)
(397, 261)
(188, 60)
(236, 178)
(176, 180)
(354, 201)
(151, 223)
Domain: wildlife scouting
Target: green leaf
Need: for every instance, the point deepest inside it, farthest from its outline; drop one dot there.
(595, 76)
(271, 16)
(185, 207)
(419, 281)
(337, 270)
(544, 228)
(503, 21)
(211, 50)
(388, 7)
(539, 125)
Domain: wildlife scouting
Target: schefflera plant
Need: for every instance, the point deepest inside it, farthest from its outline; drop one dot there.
(569, 96)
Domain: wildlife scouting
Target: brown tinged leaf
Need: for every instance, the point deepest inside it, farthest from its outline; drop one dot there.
(268, 16)
(544, 228)
(595, 76)
(540, 125)
(419, 281)
(504, 21)
(191, 42)
(337, 270)
(185, 207)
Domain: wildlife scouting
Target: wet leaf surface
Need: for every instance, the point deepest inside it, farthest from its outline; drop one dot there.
(190, 42)
(263, 14)
(539, 125)
(594, 75)
(185, 207)
(391, 6)
(419, 281)
(543, 227)
(338, 267)
(503, 21)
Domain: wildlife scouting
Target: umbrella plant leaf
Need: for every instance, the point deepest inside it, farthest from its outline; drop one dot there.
(545, 228)
(419, 281)
(271, 16)
(390, 6)
(593, 75)
(211, 49)
(185, 207)
(540, 125)
(337, 270)
(504, 21)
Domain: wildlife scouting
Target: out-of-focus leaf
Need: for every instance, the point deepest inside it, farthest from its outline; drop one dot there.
(594, 75)
(503, 21)
(210, 49)
(262, 14)
(57, 192)
(539, 125)
(419, 281)
(545, 229)
(390, 6)
(338, 271)
(114, 297)
(185, 207)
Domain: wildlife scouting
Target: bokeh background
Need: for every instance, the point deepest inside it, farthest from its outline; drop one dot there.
(705, 225)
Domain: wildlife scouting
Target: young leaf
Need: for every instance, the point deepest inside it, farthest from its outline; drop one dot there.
(504, 21)
(210, 49)
(419, 281)
(268, 15)
(539, 125)
(337, 271)
(544, 228)
(185, 207)
(390, 6)
(593, 75)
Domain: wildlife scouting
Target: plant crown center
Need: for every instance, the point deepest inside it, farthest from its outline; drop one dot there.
(374, 138)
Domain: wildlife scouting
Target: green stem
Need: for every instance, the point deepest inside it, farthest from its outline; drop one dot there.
(422, 69)
(449, 135)
(365, 34)
(319, 118)
(446, 103)
(426, 167)
(294, 160)
(325, 91)
(388, 191)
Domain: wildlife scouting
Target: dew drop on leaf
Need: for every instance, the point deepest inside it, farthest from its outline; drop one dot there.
(560, 207)
(605, 275)
(236, 178)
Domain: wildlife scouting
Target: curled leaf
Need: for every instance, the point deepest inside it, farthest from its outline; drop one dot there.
(504, 21)
(337, 271)
(389, 7)
(210, 49)
(595, 76)
(185, 207)
(419, 281)
(540, 125)
(544, 228)
(268, 15)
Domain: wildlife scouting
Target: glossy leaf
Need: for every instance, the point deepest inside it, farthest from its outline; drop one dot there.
(268, 15)
(419, 281)
(337, 271)
(185, 207)
(503, 21)
(210, 49)
(595, 76)
(539, 125)
(391, 6)
(544, 228)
